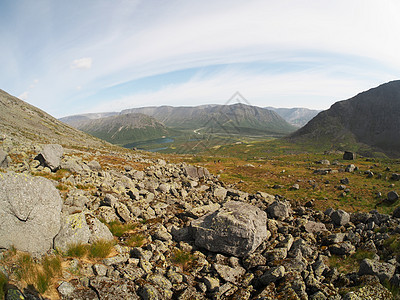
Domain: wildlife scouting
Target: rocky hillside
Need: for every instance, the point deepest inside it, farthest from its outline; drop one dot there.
(124, 129)
(21, 121)
(236, 118)
(112, 223)
(370, 118)
(179, 233)
(295, 116)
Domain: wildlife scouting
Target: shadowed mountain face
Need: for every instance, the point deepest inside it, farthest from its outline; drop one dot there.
(370, 118)
(22, 121)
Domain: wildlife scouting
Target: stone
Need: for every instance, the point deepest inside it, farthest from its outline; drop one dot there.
(272, 275)
(107, 288)
(347, 155)
(211, 283)
(51, 156)
(340, 217)
(161, 233)
(94, 166)
(350, 168)
(236, 229)
(74, 230)
(4, 159)
(65, 289)
(395, 176)
(278, 209)
(229, 274)
(314, 227)
(345, 248)
(383, 270)
(220, 193)
(376, 291)
(392, 197)
(80, 228)
(30, 212)
(396, 212)
(72, 166)
(100, 270)
(196, 173)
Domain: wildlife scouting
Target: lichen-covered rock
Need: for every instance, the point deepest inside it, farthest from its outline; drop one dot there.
(237, 229)
(80, 228)
(340, 217)
(4, 159)
(383, 270)
(30, 212)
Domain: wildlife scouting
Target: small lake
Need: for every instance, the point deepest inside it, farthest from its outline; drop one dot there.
(145, 145)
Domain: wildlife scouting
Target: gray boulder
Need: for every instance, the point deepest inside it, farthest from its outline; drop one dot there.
(51, 156)
(237, 229)
(383, 270)
(80, 228)
(340, 217)
(392, 197)
(196, 173)
(279, 209)
(30, 212)
(349, 155)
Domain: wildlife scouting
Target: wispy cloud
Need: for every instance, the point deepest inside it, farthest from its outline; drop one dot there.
(82, 63)
(115, 44)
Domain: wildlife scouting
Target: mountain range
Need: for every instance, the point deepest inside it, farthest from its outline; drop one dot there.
(369, 120)
(138, 124)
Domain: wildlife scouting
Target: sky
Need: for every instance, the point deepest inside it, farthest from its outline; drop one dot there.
(80, 56)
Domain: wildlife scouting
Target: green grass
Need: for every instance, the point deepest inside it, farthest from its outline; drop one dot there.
(182, 258)
(350, 263)
(100, 249)
(78, 250)
(118, 229)
(136, 240)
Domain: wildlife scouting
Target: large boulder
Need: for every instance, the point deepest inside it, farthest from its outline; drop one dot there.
(80, 228)
(30, 212)
(51, 156)
(236, 229)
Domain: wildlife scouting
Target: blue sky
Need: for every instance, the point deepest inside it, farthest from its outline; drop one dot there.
(70, 57)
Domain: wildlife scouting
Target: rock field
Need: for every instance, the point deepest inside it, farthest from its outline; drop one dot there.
(232, 245)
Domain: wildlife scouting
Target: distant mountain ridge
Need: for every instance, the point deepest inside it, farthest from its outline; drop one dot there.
(125, 128)
(369, 119)
(235, 117)
(296, 116)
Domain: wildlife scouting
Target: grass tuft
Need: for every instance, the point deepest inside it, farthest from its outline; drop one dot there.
(100, 249)
(182, 258)
(118, 229)
(77, 250)
(136, 240)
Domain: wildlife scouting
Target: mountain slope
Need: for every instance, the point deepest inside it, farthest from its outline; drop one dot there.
(237, 118)
(295, 116)
(370, 118)
(124, 129)
(21, 121)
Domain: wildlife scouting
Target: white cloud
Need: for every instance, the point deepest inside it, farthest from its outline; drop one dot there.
(24, 96)
(82, 63)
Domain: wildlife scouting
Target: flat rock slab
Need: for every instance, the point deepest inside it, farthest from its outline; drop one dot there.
(236, 229)
(30, 212)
